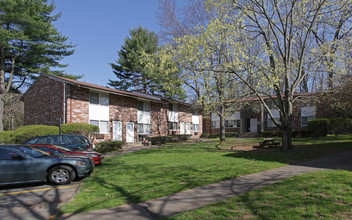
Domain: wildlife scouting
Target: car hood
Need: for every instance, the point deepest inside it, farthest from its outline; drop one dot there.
(70, 156)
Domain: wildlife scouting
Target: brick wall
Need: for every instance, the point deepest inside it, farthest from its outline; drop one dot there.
(123, 109)
(43, 102)
(77, 104)
(159, 119)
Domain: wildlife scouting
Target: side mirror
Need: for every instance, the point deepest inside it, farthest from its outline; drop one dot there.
(18, 157)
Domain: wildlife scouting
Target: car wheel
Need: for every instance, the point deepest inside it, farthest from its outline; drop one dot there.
(61, 175)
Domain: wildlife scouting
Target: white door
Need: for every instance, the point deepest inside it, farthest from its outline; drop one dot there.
(129, 132)
(182, 128)
(117, 131)
(188, 128)
(253, 125)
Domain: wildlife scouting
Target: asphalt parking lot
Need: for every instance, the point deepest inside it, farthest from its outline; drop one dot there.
(34, 201)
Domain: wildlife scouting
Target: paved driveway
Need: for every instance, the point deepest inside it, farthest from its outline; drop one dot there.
(34, 201)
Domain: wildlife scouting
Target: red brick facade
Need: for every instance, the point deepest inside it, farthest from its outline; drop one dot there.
(46, 102)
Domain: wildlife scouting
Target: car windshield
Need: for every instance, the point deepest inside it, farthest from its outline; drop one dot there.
(32, 151)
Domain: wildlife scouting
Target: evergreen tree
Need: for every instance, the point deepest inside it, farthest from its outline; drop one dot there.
(130, 73)
(29, 43)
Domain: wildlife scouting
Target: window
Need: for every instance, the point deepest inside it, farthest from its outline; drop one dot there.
(99, 98)
(271, 124)
(215, 124)
(173, 126)
(232, 123)
(143, 129)
(195, 127)
(6, 154)
(307, 114)
(103, 125)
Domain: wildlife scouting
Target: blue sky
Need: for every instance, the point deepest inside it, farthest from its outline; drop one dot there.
(99, 29)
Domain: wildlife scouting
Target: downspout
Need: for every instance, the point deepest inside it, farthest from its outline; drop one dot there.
(64, 104)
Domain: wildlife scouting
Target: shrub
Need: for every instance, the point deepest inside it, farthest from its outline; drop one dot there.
(268, 134)
(108, 146)
(319, 127)
(217, 135)
(25, 133)
(301, 134)
(339, 125)
(79, 128)
(168, 139)
(5, 136)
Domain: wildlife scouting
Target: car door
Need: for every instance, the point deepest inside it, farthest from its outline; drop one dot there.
(15, 167)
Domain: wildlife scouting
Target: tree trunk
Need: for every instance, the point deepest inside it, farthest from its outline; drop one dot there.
(222, 124)
(1, 111)
(2, 86)
(287, 125)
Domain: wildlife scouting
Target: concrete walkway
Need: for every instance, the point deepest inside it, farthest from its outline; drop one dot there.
(199, 197)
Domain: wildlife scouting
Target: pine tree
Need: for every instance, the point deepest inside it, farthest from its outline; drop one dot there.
(29, 43)
(130, 73)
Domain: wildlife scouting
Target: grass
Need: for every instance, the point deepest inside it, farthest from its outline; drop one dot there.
(149, 174)
(319, 195)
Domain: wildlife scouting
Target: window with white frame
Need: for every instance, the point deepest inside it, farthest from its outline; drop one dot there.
(307, 114)
(232, 123)
(195, 127)
(173, 126)
(98, 98)
(143, 129)
(143, 118)
(195, 121)
(173, 117)
(103, 125)
(276, 115)
(215, 120)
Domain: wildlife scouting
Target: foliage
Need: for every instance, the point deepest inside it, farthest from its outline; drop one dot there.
(217, 135)
(337, 102)
(5, 136)
(13, 111)
(339, 125)
(263, 46)
(164, 70)
(153, 173)
(79, 128)
(29, 43)
(130, 73)
(160, 140)
(319, 127)
(25, 133)
(108, 146)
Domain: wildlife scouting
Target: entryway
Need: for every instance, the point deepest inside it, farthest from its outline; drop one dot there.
(117, 131)
(129, 132)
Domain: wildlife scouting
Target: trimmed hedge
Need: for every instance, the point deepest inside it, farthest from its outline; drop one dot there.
(217, 135)
(79, 128)
(5, 136)
(108, 146)
(25, 133)
(340, 125)
(168, 139)
(319, 127)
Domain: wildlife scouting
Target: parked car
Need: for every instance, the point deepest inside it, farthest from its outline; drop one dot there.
(54, 149)
(74, 142)
(24, 164)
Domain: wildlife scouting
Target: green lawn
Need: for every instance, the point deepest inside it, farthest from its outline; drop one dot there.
(319, 195)
(148, 174)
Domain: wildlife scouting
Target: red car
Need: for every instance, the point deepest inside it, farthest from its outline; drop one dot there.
(54, 149)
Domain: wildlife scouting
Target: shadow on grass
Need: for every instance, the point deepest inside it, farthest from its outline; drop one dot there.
(300, 154)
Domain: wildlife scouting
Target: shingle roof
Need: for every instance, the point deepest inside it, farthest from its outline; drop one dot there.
(102, 88)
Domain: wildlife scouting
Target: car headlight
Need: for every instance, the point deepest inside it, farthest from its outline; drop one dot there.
(82, 163)
(91, 155)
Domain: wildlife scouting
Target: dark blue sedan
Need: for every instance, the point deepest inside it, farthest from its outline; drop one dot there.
(24, 164)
